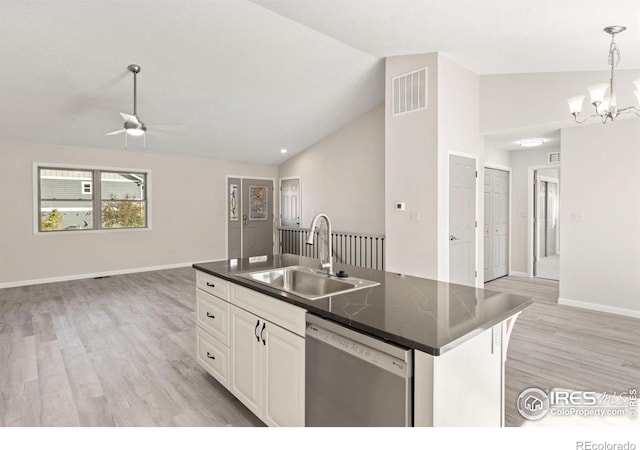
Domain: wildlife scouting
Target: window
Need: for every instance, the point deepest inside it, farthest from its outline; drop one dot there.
(108, 199)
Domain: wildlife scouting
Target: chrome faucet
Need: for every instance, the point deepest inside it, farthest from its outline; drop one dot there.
(329, 264)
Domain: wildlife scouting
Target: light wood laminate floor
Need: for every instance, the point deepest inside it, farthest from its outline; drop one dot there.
(119, 351)
(115, 351)
(555, 346)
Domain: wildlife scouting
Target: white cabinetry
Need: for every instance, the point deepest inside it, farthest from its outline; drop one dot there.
(246, 365)
(267, 369)
(253, 345)
(212, 330)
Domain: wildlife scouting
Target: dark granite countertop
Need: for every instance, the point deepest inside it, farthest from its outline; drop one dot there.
(414, 312)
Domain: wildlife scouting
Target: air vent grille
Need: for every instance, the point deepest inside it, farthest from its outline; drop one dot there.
(409, 92)
(553, 158)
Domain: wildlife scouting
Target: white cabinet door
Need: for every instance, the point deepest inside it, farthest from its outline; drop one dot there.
(283, 372)
(246, 370)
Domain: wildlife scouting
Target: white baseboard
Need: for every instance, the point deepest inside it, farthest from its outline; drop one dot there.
(513, 273)
(600, 307)
(92, 275)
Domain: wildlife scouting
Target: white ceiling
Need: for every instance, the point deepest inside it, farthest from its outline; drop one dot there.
(487, 36)
(248, 78)
(508, 140)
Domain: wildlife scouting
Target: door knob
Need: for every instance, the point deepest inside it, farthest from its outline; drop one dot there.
(453, 238)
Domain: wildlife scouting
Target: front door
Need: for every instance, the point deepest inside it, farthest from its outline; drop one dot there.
(462, 220)
(257, 217)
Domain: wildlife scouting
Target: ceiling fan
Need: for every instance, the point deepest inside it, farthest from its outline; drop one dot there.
(133, 126)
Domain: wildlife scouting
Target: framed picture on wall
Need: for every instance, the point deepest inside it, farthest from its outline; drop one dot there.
(258, 202)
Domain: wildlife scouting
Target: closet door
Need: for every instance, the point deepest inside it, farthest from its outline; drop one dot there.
(496, 225)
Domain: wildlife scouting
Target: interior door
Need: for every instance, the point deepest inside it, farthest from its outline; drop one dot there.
(488, 195)
(234, 216)
(462, 220)
(257, 217)
(552, 218)
(500, 223)
(290, 200)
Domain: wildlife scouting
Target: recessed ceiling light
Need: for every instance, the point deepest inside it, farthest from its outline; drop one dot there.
(531, 142)
(283, 150)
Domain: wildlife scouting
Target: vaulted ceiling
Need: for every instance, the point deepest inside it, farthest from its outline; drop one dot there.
(240, 80)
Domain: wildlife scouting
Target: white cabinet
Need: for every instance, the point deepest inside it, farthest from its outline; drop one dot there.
(246, 359)
(212, 330)
(283, 377)
(254, 346)
(267, 370)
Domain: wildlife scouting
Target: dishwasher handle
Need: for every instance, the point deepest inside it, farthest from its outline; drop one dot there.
(353, 346)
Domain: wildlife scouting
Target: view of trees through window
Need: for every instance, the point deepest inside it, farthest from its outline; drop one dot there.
(119, 199)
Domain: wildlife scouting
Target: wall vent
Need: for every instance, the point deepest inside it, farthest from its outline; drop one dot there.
(409, 92)
(553, 158)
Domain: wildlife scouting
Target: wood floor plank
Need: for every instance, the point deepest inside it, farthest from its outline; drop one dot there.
(557, 346)
(120, 351)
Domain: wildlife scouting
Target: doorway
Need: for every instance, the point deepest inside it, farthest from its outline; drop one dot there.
(250, 217)
(546, 224)
(462, 220)
(496, 223)
(290, 202)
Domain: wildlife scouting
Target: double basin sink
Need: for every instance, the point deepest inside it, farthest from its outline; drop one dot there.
(307, 283)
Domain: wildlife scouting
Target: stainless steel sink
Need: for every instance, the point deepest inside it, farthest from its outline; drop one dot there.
(306, 282)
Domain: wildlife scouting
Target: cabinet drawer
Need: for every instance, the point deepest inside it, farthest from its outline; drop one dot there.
(287, 316)
(212, 285)
(212, 315)
(213, 356)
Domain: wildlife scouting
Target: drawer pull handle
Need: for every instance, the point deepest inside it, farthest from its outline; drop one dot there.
(209, 355)
(210, 315)
(262, 332)
(210, 284)
(255, 331)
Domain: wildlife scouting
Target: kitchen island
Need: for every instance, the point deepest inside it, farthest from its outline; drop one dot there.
(458, 336)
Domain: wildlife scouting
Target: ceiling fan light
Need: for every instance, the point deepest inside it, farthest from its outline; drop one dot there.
(597, 92)
(135, 131)
(575, 104)
(637, 92)
(637, 83)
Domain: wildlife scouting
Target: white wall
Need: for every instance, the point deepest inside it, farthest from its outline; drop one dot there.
(497, 157)
(458, 132)
(525, 100)
(188, 219)
(521, 161)
(600, 216)
(343, 176)
(411, 175)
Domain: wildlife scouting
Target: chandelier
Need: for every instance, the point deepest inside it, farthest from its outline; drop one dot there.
(605, 107)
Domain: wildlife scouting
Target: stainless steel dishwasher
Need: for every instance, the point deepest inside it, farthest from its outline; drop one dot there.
(355, 380)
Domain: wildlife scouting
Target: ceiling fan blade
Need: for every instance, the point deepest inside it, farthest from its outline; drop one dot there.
(115, 132)
(130, 118)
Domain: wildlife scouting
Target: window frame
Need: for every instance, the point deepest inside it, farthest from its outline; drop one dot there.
(96, 200)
